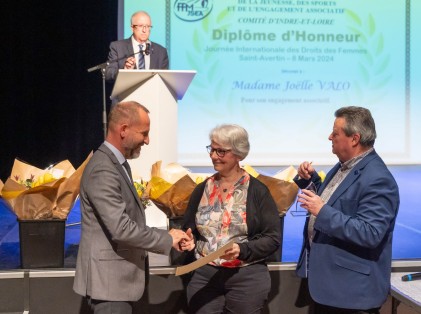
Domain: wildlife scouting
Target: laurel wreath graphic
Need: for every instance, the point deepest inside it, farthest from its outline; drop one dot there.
(373, 65)
(207, 86)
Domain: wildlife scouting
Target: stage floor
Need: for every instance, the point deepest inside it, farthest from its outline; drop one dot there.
(407, 235)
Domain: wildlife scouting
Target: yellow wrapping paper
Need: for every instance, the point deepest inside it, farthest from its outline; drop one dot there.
(283, 192)
(281, 187)
(173, 201)
(34, 193)
(170, 188)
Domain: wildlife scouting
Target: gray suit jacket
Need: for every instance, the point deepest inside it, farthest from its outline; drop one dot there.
(114, 240)
(124, 49)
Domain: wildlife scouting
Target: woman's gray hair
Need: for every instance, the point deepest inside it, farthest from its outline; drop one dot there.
(233, 137)
(358, 120)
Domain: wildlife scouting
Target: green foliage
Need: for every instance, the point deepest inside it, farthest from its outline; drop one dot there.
(373, 67)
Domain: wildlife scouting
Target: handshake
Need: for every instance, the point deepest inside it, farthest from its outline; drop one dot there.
(182, 241)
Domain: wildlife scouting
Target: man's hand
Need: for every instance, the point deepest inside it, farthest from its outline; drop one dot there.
(310, 201)
(177, 236)
(305, 170)
(130, 63)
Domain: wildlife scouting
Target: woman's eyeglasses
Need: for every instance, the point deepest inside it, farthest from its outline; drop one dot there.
(219, 151)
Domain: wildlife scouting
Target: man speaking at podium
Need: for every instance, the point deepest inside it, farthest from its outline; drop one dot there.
(136, 52)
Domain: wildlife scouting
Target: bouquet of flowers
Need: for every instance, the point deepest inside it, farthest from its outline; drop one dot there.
(281, 186)
(35, 193)
(170, 188)
(140, 187)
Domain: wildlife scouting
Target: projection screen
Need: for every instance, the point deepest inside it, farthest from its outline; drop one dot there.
(280, 68)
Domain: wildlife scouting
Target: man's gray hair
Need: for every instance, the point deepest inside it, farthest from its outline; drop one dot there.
(358, 120)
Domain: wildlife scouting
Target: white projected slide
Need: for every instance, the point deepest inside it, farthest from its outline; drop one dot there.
(280, 68)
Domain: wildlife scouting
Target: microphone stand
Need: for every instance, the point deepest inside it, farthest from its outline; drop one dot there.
(102, 67)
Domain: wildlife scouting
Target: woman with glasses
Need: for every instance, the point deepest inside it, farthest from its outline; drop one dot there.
(231, 204)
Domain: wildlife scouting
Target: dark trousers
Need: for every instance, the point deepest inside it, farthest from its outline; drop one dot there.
(229, 290)
(324, 309)
(110, 307)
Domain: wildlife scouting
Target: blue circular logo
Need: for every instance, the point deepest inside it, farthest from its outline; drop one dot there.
(192, 10)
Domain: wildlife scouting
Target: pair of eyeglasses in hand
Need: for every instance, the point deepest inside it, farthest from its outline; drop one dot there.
(299, 211)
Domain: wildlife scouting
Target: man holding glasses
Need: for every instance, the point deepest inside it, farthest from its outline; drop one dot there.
(136, 52)
(347, 251)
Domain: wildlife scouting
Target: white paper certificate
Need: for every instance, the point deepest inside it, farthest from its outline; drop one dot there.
(181, 270)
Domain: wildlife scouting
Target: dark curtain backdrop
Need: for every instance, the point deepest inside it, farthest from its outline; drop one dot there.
(51, 107)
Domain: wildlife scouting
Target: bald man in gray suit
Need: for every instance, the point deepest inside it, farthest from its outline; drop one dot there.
(112, 257)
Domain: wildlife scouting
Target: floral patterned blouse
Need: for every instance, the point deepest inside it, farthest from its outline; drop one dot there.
(219, 220)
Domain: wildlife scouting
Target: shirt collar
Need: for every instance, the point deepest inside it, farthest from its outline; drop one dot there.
(136, 44)
(116, 152)
(353, 161)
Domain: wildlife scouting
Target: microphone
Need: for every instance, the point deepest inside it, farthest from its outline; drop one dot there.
(122, 58)
(411, 277)
(148, 49)
(102, 66)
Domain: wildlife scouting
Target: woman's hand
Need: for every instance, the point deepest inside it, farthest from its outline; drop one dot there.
(232, 253)
(187, 245)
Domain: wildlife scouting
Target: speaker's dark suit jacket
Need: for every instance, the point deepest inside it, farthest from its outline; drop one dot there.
(349, 262)
(124, 49)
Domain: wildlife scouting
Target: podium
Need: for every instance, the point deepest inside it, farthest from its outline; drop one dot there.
(157, 90)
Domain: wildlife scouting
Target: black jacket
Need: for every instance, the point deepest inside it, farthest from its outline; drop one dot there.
(264, 234)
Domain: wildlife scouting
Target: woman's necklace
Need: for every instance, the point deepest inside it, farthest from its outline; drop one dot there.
(224, 188)
(226, 185)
